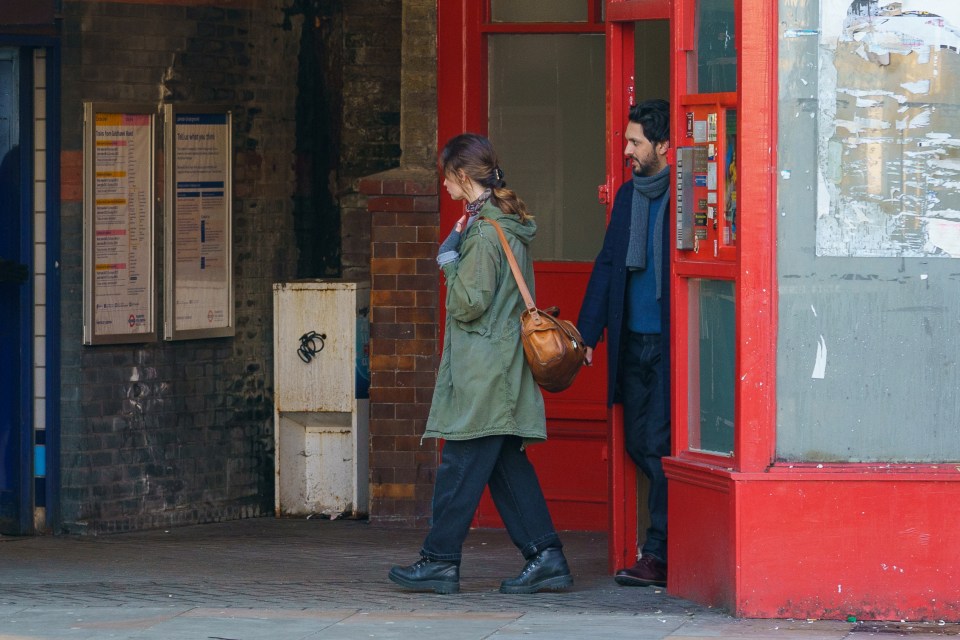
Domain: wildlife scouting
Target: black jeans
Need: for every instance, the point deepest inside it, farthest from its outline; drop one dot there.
(467, 466)
(646, 423)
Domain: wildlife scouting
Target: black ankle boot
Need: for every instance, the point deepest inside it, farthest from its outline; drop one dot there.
(426, 575)
(547, 571)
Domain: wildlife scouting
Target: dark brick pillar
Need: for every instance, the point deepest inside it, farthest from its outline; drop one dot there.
(404, 347)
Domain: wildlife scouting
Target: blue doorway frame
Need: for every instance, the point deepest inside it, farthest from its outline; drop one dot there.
(29, 456)
(16, 297)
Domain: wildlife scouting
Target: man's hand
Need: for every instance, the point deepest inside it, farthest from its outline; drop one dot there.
(588, 356)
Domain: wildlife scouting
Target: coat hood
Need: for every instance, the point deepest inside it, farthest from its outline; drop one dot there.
(523, 231)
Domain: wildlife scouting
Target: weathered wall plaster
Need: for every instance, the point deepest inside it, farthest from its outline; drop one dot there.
(868, 159)
(889, 131)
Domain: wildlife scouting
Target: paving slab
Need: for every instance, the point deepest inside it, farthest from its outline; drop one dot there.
(306, 579)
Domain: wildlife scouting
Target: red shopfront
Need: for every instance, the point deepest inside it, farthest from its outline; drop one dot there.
(782, 503)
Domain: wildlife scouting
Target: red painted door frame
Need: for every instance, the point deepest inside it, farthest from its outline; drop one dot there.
(620, 18)
(753, 268)
(461, 90)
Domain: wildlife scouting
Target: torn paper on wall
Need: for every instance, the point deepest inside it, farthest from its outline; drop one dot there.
(889, 128)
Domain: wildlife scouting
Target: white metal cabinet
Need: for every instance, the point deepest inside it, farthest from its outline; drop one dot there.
(321, 426)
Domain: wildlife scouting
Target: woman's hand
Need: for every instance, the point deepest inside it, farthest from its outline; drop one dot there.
(448, 250)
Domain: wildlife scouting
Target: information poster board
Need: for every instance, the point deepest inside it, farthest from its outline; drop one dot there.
(119, 283)
(198, 271)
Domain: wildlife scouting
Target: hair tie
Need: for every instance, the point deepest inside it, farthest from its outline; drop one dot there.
(498, 173)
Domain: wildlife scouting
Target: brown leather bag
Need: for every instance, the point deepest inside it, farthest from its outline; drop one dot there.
(553, 347)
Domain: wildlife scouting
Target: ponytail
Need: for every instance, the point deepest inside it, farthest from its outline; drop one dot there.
(474, 155)
(508, 202)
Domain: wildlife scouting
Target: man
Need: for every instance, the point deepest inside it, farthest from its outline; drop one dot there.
(628, 294)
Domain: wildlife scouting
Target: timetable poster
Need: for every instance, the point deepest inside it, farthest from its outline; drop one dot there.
(122, 229)
(201, 248)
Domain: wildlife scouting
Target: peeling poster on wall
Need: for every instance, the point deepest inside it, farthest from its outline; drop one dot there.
(889, 128)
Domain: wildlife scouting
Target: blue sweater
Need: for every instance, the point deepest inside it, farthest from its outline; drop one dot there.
(643, 308)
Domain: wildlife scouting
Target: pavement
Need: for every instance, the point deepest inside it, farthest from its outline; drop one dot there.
(300, 579)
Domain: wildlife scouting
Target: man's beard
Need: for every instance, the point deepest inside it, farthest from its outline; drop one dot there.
(644, 169)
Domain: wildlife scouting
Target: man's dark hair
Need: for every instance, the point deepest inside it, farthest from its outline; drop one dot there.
(654, 117)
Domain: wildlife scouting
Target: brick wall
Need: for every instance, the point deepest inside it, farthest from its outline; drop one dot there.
(403, 342)
(348, 127)
(370, 136)
(418, 98)
(173, 433)
(405, 286)
(169, 433)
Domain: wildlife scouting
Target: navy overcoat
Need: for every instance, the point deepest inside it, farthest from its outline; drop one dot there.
(604, 303)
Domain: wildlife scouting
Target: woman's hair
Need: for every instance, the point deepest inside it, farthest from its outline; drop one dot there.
(474, 155)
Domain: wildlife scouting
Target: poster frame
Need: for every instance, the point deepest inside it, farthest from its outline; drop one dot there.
(172, 330)
(91, 336)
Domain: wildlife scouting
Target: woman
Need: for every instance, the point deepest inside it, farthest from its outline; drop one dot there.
(486, 405)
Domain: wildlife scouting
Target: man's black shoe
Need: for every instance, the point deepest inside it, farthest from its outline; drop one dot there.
(649, 571)
(547, 571)
(428, 575)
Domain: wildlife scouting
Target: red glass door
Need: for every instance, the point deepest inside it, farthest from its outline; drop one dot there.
(575, 51)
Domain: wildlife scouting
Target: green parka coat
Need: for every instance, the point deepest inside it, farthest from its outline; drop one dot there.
(484, 385)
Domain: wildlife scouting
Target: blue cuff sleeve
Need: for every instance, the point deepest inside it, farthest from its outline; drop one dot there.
(447, 256)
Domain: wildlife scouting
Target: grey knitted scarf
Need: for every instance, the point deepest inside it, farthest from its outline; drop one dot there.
(645, 189)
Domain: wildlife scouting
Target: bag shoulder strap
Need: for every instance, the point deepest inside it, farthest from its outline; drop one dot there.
(518, 276)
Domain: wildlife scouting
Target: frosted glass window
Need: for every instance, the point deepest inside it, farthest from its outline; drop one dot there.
(538, 11)
(546, 113)
(868, 236)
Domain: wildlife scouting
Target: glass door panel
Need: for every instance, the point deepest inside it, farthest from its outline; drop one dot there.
(716, 47)
(546, 96)
(711, 366)
(545, 115)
